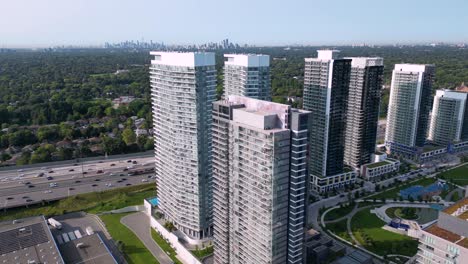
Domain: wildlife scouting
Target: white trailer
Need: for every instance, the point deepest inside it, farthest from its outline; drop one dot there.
(54, 223)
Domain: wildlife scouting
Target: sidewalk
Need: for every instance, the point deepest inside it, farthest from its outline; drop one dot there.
(139, 224)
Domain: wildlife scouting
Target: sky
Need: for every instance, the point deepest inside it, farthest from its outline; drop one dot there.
(257, 22)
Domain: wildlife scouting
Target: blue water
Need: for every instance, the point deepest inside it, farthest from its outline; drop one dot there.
(154, 201)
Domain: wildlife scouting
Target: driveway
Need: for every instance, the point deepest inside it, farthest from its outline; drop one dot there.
(140, 225)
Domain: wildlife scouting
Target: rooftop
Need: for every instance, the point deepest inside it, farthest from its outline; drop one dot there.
(247, 60)
(27, 240)
(377, 164)
(427, 148)
(447, 235)
(87, 250)
(459, 209)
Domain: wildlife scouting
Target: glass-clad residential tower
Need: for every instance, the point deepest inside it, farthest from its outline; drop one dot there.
(247, 75)
(449, 119)
(260, 181)
(183, 90)
(363, 110)
(409, 107)
(326, 89)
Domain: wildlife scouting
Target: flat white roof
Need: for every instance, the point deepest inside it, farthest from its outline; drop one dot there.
(324, 55)
(185, 59)
(362, 62)
(451, 94)
(247, 60)
(412, 67)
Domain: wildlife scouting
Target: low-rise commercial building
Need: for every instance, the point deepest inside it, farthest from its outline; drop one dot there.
(374, 171)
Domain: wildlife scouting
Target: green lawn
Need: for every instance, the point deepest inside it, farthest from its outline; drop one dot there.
(90, 202)
(393, 212)
(458, 175)
(338, 212)
(202, 253)
(395, 192)
(339, 229)
(133, 249)
(165, 246)
(367, 228)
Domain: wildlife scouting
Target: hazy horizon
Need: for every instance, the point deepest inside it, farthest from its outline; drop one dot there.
(46, 23)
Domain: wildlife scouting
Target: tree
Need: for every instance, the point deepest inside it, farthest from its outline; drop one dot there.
(128, 136)
(66, 131)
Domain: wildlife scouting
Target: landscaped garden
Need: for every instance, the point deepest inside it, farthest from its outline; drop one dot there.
(339, 229)
(132, 248)
(407, 213)
(367, 228)
(395, 192)
(458, 175)
(339, 212)
(165, 246)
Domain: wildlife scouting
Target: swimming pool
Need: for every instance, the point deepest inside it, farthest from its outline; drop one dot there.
(153, 201)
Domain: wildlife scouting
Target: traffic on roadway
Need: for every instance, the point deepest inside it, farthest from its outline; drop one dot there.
(34, 185)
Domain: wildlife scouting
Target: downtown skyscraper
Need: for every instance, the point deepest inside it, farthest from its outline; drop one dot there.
(183, 90)
(260, 181)
(247, 75)
(362, 113)
(326, 91)
(409, 107)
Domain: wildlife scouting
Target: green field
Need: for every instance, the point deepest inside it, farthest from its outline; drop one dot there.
(95, 202)
(395, 192)
(458, 175)
(133, 249)
(367, 228)
(339, 229)
(339, 212)
(162, 243)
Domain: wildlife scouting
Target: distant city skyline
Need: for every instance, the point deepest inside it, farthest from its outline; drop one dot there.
(86, 23)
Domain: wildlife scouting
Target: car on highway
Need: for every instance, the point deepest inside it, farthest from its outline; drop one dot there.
(10, 198)
(31, 186)
(129, 161)
(52, 184)
(130, 174)
(50, 178)
(26, 183)
(94, 185)
(84, 172)
(51, 171)
(48, 191)
(119, 181)
(128, 184)
(100, 171)
(112, 164)
(125, 169)
(78, 181)
(71, 170)
(25, 197)
(124, 179)
(144, 180)
(29, 200)
(40, 174)
(112, 174)
(97, 180)
(135, 162)
(71, 189)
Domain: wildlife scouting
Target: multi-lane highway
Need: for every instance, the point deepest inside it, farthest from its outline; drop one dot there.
(37, 184)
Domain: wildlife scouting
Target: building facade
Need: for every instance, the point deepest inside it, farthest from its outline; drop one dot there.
(247, 75)
(409, 107)
(183, 90)
(362, 115)
(449, 113)
(375, 171)
(326, 89)
(260, 181)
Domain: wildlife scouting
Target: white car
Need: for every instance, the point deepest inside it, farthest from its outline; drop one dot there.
(48, 191)
(144, 180)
